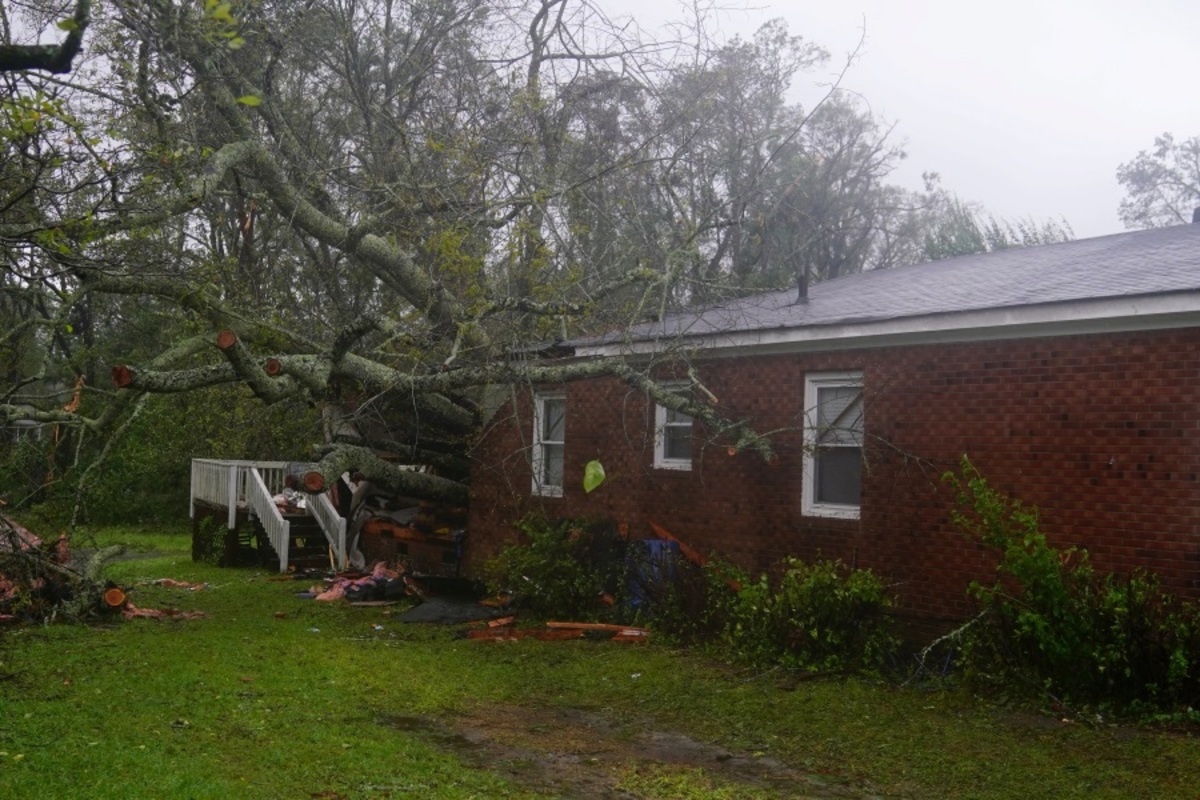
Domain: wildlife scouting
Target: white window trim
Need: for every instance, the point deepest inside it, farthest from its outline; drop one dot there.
(813, 382)
(539, 401)
(660, 440)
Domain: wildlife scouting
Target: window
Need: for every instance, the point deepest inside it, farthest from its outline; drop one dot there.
(672, 437)
(833, 444)
(549, 444)
(25, 430)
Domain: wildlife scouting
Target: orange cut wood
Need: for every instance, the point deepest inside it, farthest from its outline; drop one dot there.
(114, 598)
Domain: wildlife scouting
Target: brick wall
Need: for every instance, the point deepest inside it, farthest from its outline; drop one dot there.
(1101, 432)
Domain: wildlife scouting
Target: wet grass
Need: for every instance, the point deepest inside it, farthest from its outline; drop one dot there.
(271, 695)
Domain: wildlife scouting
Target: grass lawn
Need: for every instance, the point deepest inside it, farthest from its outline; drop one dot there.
(273, 696)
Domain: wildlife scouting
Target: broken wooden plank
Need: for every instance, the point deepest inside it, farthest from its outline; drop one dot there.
(596, 626)
(514, 634)
(689, 552)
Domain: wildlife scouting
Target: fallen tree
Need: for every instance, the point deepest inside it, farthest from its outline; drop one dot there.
(389, 212)
(41, 582)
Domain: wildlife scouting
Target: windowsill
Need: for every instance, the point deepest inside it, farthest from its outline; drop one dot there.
(548, 491)
(829, 511)
(674, 466)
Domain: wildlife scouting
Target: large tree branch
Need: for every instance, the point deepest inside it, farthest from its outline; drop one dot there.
(413, 453)
(53, 58)
(346, 458)
(173, 381)
(251, 371)
(90, 228)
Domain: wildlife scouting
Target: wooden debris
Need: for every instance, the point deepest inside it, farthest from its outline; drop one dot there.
(501, 630)
(689, 552)
(599, 626)
(514, 634)
(131, 612)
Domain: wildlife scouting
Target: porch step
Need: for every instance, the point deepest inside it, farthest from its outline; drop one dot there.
(308, 548)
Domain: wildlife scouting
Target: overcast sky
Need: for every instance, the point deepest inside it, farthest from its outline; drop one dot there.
(1025, 107)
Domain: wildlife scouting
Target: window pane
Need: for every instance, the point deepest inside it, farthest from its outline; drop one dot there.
(677, 417)
(839, 415)
(554, 415)
(677, 442)
(552, 465)
(838, 475)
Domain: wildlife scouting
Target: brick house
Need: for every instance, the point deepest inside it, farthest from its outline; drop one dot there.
(1069, 373)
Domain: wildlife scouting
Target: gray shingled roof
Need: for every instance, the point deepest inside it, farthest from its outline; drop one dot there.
(1138, 263)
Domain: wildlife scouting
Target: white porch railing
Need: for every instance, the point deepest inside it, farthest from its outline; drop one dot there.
(262, 505)
(332, 523)
(252, 486)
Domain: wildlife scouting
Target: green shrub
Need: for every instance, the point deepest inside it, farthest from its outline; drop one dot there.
(696, 605)
(565, 568)
(1050, 623)
(823, 616)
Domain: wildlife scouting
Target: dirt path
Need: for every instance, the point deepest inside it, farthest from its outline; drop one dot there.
(579, 754)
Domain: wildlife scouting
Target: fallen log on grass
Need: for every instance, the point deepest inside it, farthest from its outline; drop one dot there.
(40, 581)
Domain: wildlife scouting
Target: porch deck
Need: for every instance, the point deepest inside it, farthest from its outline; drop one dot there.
(241, 495)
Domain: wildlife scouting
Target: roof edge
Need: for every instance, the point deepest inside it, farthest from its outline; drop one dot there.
(1109, 315)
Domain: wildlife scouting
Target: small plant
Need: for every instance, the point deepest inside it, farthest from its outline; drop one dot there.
(209, 540)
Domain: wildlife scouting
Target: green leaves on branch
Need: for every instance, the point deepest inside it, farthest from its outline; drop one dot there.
(218, 11)
(224, 25)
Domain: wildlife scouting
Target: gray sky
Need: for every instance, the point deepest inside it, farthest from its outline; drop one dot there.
(1025, 107)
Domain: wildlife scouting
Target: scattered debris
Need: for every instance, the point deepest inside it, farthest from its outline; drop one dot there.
(600, 626)
(381, 584)
(130, 611)
(502, 630)
(689, 552)
(174, 584)
(40, 581)
(515, 634)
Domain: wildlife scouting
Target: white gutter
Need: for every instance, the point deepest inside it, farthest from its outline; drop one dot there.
(1157, 312)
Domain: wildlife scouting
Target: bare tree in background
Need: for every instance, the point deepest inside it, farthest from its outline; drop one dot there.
(1162, 185)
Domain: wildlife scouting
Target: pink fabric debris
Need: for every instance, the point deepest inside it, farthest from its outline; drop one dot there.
(380, 571)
